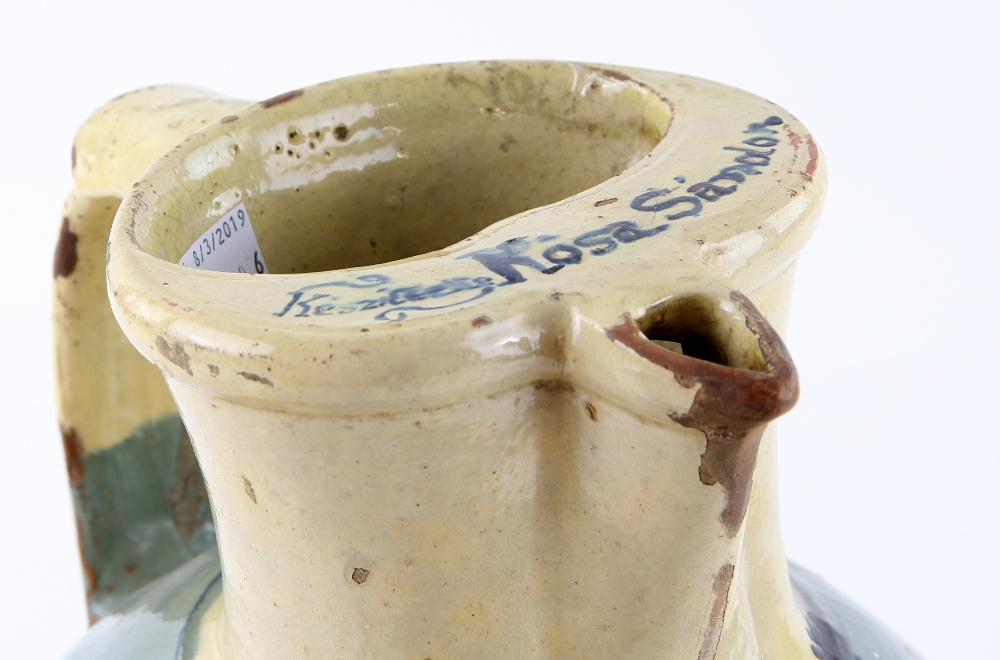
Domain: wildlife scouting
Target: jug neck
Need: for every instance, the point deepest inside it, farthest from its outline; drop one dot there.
(541, 521)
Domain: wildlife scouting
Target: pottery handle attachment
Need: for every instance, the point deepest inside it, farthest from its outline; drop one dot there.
(139, 498)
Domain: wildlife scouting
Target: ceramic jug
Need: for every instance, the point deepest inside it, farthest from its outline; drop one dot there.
(471, 361)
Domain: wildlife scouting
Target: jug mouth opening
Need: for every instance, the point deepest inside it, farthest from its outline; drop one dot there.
(398, 164)
(705, 328)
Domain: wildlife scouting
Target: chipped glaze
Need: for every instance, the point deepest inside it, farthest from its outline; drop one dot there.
(506, 391)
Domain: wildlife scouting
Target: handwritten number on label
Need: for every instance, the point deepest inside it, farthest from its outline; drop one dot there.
(229, 245)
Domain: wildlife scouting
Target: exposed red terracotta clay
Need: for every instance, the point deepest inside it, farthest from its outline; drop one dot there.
(732, 406)
(175, 353)
(73, 449)
(813, 157)
(796, 141)
(256, 378)
(65, 258)
(713, 632)
(282, 98)
(88, 573)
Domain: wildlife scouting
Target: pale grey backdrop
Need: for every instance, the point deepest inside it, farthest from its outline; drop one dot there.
(890, 461)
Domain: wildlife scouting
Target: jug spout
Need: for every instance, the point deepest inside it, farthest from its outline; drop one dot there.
(739, 390)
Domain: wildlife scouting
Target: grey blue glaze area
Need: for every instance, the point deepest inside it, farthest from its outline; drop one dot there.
(159, 621)
(839, 629)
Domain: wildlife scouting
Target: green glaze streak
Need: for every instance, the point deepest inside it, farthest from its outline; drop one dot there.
(142, 511)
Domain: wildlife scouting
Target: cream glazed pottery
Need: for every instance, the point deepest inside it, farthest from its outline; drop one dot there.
(491, 377)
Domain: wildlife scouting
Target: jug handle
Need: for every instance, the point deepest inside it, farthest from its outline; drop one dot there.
(138, 495)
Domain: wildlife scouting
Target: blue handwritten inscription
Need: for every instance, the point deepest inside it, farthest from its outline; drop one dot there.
(749, 161)
(508, 258)
(512, 261)
(316, 300)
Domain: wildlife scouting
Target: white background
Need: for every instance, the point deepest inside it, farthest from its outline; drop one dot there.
(890, 463)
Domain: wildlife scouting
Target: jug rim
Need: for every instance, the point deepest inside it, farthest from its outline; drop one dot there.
(249, 338)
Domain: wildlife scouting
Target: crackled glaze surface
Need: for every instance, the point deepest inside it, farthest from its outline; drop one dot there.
(500, 395)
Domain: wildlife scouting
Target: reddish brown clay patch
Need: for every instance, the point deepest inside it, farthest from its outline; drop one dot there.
(282, 98)
(73, 449)
(813, 157)
(713, 632)
(65, 259)
(248, 487)
(616, 75)
(732, 406)
(89, 574)
(256, 378)
(175, 353)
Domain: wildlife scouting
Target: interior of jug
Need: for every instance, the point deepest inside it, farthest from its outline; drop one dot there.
(389, 166)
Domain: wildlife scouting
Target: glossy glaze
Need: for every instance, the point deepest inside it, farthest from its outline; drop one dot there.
(424, 435)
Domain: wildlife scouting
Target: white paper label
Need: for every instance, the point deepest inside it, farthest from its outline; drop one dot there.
(229, 246)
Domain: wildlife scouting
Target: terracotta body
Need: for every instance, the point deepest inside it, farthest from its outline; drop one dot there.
(503, 393)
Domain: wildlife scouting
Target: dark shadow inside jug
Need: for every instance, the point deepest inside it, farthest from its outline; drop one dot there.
(705, 328)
